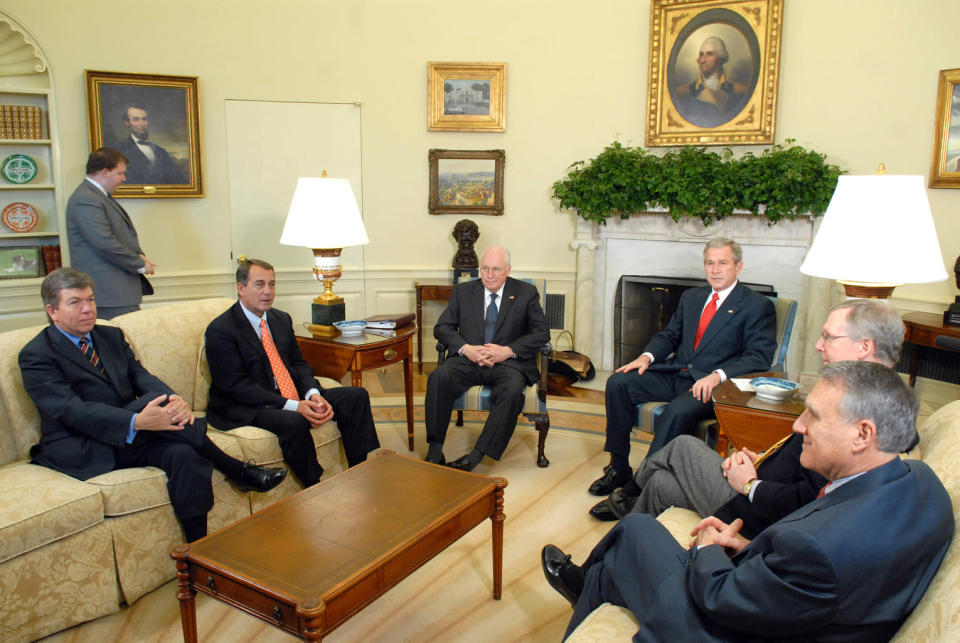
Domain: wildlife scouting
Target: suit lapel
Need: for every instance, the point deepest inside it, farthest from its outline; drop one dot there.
(692, 315)
(246, 332)
(109, 359)
(67, 349)
(509, 297)
(727, 310)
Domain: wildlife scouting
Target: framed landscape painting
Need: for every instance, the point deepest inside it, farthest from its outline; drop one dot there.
(714, 71)
(466, 97)
(466, 182)
(945, 167)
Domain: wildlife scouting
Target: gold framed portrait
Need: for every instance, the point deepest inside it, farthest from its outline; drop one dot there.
(714, 72)
(945, 166)
(466, 97)
(153, 121)
(466, 182)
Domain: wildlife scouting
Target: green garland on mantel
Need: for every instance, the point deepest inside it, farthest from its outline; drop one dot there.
(785, 181)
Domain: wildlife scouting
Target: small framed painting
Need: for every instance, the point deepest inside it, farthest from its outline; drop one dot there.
(17, 262)
(945, 167)
(466, 182)
(466, 97)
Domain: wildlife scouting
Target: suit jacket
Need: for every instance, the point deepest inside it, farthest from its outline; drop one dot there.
(140, 171)
(104, 244)
(785, 487)
(242, 380)
(521, 324)
(849, 566)
(741, 337)
(84, 415)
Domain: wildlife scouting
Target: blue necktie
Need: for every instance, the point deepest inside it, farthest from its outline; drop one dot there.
(490, 320)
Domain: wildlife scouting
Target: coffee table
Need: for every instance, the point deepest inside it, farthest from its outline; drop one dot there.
(309, 562)
(752, 422)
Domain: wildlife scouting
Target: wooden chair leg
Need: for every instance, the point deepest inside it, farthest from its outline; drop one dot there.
(542, 422)
(459, 418)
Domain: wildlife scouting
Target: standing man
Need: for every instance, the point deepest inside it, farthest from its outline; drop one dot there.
(493, 329)
(759, 489)
(149, 163)
(850, 566)
(103, 241)
(259, 378)
(718, 331)
(100, 410)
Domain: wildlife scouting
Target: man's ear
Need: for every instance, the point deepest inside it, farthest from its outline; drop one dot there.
(866, 435)
(867, 349)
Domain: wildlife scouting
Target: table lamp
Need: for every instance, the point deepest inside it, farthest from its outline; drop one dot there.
(324, 217)
(877, 234)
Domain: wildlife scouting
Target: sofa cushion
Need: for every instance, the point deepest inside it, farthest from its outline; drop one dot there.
(166, 339)
(606, 623)
(263, 447)
(42, 506)
(21, 419)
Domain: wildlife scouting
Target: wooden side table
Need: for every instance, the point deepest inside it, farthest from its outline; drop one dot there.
(333, 356)
(923, 330)
(430, 291)
(750, 421)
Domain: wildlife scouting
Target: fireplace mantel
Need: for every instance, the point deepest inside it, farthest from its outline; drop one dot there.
(653, 243)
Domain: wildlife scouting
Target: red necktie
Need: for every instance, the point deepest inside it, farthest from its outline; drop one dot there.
(708, 312)
(823, 491)
(284, 383)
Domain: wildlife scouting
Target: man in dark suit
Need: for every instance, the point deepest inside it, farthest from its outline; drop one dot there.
(100, 410)
(718, 331)
(259, 378)
(851, 565)
(103, 241)
(760, 489)
(149, 163)
(493, 329)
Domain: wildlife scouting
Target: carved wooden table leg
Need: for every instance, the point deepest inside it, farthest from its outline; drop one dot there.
(186, 595)
(313, 613)
(497, 519)
(408, 394)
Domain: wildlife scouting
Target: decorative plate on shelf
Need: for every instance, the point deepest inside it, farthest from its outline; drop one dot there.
(18, 168)
(20, 217)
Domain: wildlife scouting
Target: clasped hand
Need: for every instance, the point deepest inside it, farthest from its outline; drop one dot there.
(738, 469)
(713, 531)
(316, 410)
(164, 413)
(486, 354)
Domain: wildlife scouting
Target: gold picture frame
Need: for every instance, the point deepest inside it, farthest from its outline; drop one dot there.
(684, 110)
(466, 97)
(945, 166)
(466, 182)
(143, 116)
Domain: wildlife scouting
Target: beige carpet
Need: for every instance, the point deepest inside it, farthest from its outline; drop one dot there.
(449, 598)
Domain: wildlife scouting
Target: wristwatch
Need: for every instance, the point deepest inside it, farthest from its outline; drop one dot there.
(748, 486)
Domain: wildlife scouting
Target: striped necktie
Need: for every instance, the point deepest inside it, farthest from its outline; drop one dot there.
(91, 354)
(284, 383)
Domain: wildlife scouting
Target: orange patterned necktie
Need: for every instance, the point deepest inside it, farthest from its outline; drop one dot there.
(287, 389)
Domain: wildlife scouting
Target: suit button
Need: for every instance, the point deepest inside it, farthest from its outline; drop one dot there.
(689, 366)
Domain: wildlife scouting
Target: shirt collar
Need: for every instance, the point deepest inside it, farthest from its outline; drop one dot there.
(74, 338)
(833, 485)
(99, 187)
(487, 293)
(252, 317)
(723, 294)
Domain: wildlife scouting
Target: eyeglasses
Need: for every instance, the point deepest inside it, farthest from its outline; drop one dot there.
(828, 337)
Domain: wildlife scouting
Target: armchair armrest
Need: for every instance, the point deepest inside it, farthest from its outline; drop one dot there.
(543, 362)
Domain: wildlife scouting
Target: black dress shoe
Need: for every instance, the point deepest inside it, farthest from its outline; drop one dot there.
(256, 478)
(612, 479)
(462, 464)
(613, 508)
(441, 460)
(555, 563)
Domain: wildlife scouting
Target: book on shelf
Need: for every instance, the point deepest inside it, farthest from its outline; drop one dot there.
(389, 321)
(51, 258)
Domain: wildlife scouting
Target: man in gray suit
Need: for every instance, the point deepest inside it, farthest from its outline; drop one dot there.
(103, 241)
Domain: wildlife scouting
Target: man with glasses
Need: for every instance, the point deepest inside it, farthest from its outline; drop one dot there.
(493, 328)
(689, 474)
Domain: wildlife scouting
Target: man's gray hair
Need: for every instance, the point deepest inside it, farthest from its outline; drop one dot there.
(506, 253)
(723, 242)
(721, 48)
(877, 393)
(876, 320)
(62, 279)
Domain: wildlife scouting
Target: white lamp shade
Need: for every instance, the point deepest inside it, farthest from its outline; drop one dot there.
(324, 214)
(877, 230)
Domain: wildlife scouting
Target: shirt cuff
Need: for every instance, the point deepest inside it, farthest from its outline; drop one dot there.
(650, 355)
(753, 489)
(132, 432)
(291, 405)
(311, 393)
(723, 376)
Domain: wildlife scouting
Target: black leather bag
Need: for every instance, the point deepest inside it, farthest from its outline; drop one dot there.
(570, 364)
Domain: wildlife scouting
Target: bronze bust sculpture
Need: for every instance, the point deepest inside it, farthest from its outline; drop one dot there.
(466, 234)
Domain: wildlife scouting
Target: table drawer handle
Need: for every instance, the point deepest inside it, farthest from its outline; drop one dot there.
(389, 354)
(277, 614)
(211, 584)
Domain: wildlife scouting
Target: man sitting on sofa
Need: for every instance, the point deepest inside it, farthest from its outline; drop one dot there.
(100, 410)
(259, 378)
(689, 474)
(850, 565)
